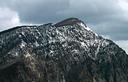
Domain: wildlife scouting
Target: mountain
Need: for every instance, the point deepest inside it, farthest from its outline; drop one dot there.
(67, 51)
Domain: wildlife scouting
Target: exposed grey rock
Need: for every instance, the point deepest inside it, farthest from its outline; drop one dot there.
(65, 52)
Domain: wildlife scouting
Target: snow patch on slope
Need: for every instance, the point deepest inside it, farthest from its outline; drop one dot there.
(23, 44)
(87, 28)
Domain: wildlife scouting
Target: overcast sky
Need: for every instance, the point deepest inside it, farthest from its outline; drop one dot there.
(108, 18)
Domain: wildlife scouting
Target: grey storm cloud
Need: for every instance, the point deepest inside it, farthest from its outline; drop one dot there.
(105, 16)
(38, 11)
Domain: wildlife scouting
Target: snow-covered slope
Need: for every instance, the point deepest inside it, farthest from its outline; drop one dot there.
(67, 51)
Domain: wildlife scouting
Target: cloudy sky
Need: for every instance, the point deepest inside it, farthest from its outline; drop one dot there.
(108, 18)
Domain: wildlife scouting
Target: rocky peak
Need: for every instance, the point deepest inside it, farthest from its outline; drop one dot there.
(69, 21)
(65, 52)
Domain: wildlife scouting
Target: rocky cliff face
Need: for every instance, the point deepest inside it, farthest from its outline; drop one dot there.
(65, 52)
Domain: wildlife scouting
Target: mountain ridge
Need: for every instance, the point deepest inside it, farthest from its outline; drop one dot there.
(69, 21)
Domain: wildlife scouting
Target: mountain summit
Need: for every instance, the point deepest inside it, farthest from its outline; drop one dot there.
(67, 51)
(69, 21)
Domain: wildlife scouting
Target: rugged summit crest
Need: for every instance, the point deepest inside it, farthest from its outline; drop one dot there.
(69, 21)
